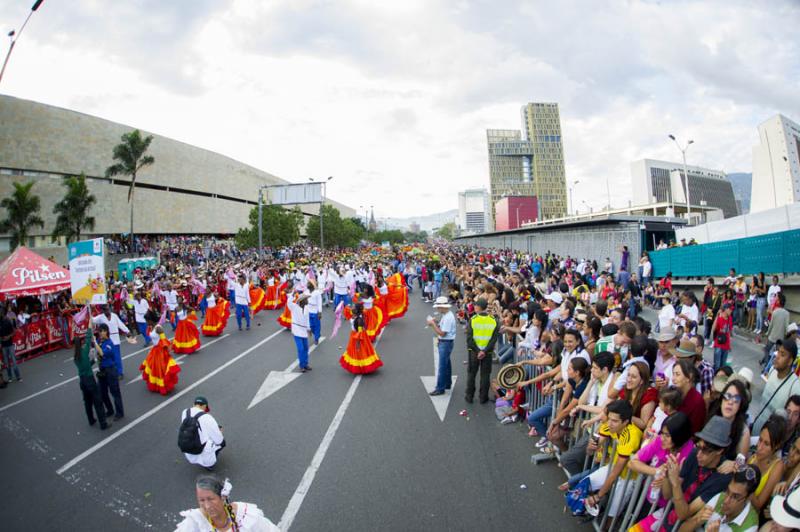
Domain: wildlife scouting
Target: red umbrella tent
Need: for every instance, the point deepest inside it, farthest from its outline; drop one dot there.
(24, 273)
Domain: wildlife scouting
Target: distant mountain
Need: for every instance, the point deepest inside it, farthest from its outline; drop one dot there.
(741, 189)
(426, 223)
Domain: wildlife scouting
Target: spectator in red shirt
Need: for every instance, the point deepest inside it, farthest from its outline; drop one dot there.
(684, 378)
(721, 332)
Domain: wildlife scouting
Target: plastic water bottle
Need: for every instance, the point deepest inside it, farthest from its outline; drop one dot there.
(655, 491)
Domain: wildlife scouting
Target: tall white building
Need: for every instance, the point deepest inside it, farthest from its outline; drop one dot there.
(776, 164)
(474, 211)
(661, 181)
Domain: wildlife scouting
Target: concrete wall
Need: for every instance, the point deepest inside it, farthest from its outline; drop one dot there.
(594, 243)
(44, 142)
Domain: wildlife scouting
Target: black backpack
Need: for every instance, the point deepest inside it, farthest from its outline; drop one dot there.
(189, 434)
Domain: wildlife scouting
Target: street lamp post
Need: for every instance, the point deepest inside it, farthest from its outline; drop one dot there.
(685, 173)
(571, 211)
(323, 182)
(15, 37)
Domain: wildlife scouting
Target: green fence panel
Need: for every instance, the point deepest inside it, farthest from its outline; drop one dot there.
(791, 252)
(761, 254)
(719, 257)
(687, 260)
(661, 262)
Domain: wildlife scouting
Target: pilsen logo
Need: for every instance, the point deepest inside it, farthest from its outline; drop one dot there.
(24, 275)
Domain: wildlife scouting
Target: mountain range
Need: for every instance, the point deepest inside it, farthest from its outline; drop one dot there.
(426, 223)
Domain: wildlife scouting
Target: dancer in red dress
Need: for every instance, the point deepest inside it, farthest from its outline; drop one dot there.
(159, 369)
(360, 357)
(397, 303)
(187, 337)
(285, 319)
(216, 315)
(257, 299)
(373, 315)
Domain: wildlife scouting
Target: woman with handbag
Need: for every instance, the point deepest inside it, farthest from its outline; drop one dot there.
(723, 326)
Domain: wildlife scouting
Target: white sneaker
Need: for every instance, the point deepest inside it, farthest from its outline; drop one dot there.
(507, 421)
(543, 441)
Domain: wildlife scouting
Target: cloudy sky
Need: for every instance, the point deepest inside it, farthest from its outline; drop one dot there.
(393, 98)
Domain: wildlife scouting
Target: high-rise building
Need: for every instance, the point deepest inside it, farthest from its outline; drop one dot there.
(513, 211)
(530, 161)
(776, 164)
(664, 182)
(474, 211)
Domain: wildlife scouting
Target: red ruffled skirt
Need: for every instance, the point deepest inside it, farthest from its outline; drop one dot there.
(159, 369)
(272, 297)
(360, 357)
(257, 300)
(397, 301)
(187, 337)
(216, 319)
(374, 321)
(285, 319)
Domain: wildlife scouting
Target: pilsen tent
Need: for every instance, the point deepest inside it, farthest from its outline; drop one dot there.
(24, 273)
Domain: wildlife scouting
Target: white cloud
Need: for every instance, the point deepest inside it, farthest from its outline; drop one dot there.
(393, 98)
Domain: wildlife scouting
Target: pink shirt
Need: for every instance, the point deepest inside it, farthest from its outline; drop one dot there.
(654, 454)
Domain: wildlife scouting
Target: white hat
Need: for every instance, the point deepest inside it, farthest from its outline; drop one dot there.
(555, 297)
(791, 328)
(138, 285)
(786, 510)
(746, 374)
(442, 302)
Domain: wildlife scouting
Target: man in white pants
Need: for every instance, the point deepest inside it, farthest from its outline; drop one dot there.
(210, 434)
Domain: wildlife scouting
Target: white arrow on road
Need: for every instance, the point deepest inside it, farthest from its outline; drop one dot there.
(440, 402)
(278, 379)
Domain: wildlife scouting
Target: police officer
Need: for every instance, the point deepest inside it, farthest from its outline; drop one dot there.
(482, 335)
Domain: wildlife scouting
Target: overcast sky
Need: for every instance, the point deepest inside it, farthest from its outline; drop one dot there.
(393, 98)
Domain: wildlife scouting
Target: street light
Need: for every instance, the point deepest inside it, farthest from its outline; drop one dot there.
(685, 172)
(15, 37)
(324, 182)
(570, 195)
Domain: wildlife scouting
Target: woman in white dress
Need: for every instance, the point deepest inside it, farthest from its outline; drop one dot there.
(217, 513)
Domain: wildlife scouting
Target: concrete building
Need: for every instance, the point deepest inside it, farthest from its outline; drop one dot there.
(513, 211)
(530, 161)
(655, 181)
(474, 211)
(189, 190)
(776, 164)
(414, 227)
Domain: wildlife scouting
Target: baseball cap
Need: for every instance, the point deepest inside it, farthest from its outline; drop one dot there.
(555, 297)
(200, 400)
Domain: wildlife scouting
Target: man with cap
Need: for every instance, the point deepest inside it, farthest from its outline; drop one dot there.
(665, 358)
(781, 384)
(691, 485)
(553, 305)
(445, 332)
(482, 334)
(300, 329)
(115, 325)
(210, 433)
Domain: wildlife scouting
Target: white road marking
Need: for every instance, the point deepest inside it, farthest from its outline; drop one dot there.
(172, 399)
(145, 348)
(440, 402)
(179, 360)
(278, 379)
(308, 478)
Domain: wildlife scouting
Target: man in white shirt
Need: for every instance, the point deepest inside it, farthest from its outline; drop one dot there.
(209, 431)
(315, 311)
(299, 312)
(341, 286)
(241, 295)
(773, 291)
(445, 330)
(115, 325)
(171, 299)
(140, 308)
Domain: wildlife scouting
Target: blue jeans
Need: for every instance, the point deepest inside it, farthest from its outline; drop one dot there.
(761, 304)
(538, 417)
(315, 323)
(505, 353)
(203, 306)
(232, 297)
(10, 360)
(242, 311)
(340, 298)
(720, 357)
(301, 342)
(143, 331)
(445, 377)
(437, 289)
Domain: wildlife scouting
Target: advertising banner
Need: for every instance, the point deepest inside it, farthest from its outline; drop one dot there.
(87, 271)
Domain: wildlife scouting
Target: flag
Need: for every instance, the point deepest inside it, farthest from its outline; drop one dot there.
(338, 322)
(81, 318)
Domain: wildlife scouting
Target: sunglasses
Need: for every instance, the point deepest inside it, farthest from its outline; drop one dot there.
(707, 448)
(732, 397)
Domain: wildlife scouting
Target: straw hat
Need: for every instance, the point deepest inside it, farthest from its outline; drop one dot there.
(510, 375)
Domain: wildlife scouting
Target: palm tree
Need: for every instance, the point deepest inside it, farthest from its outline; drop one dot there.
(22, 213)
(130, 154)
(73, 209)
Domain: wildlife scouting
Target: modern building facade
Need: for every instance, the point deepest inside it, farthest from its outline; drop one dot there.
(655, 181)
(474, 211)
(189, 190)
(530, 161)
(513, 211)
(776, 164)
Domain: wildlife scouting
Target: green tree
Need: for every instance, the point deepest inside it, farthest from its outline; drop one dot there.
(22, 213)
(73, 209)
(447, 231)
(393, 236)
(339, 232)
(279, 227)
(410, 237)
(130, 157)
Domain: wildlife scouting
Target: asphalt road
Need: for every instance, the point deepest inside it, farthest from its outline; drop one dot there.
(326, 452)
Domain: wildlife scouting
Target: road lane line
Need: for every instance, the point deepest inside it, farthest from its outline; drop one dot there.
(99, 445)
(139, 377)
(308, 478)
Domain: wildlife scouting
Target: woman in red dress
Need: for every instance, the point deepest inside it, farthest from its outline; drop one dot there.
(187, 337)
(285, 319)
(216, 315)
(360, 357)
(373, 315)
(397, 299)
(159, 369)
(257, 299)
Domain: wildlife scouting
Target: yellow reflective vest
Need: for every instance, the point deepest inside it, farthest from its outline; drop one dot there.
(482, 328)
